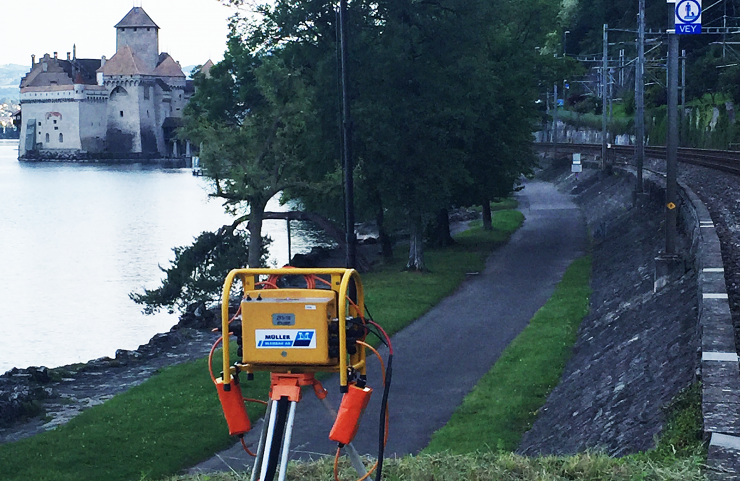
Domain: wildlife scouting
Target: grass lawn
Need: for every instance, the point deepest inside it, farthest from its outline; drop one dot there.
(174, 420)
(504, 404)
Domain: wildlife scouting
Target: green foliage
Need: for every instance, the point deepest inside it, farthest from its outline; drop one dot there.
(251, 117)
(618, 125)
(196, 274)
(682, 436)
(504, 403)
(442, 96)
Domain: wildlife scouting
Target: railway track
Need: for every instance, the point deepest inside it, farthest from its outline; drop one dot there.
(724, 160)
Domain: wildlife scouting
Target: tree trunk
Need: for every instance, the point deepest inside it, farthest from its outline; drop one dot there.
(416, 245)
(487, 219)
(256, 216)
(386, 245)
(442, 237)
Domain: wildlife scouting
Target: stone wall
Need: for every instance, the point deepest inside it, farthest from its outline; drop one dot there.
(636, 350)
(93, 125)
(719, 361)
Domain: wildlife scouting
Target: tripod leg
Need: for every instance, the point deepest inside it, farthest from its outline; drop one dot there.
(261, 446)
(286, 442)
(274, 440)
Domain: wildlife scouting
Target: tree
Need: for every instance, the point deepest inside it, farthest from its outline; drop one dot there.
(250, 117)
(197, 273)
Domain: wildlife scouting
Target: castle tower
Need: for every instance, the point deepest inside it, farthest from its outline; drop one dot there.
(139, 32)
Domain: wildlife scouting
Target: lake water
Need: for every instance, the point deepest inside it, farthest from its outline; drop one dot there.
(75, 240)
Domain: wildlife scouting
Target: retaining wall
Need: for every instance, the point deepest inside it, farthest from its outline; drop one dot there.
(720, 372)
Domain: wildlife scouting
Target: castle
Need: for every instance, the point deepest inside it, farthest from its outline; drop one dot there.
(126, 107)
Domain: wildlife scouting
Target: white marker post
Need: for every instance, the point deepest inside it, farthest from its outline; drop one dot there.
(576, 167)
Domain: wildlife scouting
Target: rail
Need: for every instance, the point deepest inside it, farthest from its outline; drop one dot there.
(724, 160)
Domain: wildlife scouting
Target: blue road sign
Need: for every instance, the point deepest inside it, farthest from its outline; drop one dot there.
(688, 17)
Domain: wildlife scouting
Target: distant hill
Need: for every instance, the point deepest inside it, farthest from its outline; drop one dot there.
(10, 79)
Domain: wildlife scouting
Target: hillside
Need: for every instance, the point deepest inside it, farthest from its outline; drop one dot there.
(10, 79)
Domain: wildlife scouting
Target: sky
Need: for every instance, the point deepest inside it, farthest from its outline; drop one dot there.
(192, 31)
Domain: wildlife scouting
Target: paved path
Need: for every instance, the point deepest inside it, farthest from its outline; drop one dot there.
(440, 357)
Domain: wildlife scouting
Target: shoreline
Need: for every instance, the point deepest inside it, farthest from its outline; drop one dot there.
(37, 399)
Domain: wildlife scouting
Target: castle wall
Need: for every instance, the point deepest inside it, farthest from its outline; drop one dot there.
(149, 128)
(56, 114)
(93, 125)
(123, 132)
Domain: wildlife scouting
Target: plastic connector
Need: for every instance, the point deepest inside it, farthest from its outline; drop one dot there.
(232, 402)
(351, 409)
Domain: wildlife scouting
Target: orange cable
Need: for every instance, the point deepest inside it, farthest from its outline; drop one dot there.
(210, 358)
(336, 465)
(215, 344)
(244, 445)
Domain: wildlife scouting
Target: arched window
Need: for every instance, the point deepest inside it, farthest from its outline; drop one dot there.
(118, 91)
(61, 137)
(47, 138)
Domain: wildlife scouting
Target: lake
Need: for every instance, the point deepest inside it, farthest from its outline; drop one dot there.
(76, 239)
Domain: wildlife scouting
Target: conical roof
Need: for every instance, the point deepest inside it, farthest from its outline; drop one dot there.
(137, 17)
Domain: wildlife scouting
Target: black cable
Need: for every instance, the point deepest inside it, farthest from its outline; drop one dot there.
(370, 330)
(383, 406)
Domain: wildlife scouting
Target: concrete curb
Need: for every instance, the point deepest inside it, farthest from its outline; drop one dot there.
(720, 372)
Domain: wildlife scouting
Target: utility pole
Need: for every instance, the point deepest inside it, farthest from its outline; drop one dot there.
(672, 145)
(682, 137)
(349, 190)
(640, 97)
(668, 263)
(604, 74)
(555, 121)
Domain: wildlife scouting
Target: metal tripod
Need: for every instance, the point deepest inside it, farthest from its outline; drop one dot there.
(274, 443)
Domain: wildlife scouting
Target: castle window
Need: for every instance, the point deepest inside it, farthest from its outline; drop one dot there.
(61, 138)
(55, 121)
(39, 124)
(47, 138)
(134, 29)
(121, 112)
(56, 128)
(146, 93)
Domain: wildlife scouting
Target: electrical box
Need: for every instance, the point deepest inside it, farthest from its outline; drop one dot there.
(287, 326)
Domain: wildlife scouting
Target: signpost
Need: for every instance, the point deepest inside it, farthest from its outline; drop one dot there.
(688, 17)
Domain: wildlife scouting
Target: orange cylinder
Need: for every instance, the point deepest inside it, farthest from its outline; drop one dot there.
(353, 405)
(232, 403)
